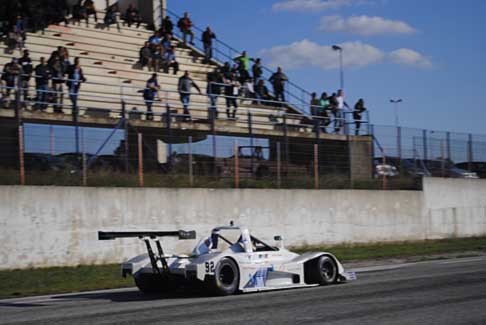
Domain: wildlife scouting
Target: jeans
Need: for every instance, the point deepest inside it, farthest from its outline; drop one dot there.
(208, 52)
(185, 99)
(338, 120)
(42, 96)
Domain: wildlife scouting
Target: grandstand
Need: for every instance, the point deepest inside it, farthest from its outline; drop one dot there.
(116, 82)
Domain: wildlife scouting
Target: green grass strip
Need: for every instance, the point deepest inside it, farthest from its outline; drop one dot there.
(19, 283)
(350, 252)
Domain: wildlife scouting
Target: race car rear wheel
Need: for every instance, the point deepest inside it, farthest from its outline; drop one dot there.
(226, 277)
(322, 270)
(150, 283)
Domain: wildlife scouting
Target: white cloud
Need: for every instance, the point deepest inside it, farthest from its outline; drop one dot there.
(314, 5)
(364, 25)
(306, 53)
(410, 57)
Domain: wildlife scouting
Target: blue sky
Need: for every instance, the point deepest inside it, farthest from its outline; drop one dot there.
(430, 53)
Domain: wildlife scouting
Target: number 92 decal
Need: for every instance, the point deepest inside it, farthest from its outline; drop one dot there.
(209, 267)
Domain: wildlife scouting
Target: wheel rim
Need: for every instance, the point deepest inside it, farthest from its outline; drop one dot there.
(327, 270)
(227, 275)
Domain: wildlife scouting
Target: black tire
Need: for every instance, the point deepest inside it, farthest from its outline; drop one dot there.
(150, 283)
(322, 270)
(226, 277)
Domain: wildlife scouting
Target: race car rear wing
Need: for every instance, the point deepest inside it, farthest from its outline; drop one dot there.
(146, 237)
(181, 234)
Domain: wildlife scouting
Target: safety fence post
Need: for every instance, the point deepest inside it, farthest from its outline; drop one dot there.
(470, 156)
(316, 166)
(21, 155)
(191, 176)
(237, 165)
(140, 161)
(279, 166)
(83, 160)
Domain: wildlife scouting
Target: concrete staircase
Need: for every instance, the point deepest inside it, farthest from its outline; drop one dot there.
(109, 60)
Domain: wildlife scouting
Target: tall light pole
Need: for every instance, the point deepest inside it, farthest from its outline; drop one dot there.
(395, 103)
(340, 50)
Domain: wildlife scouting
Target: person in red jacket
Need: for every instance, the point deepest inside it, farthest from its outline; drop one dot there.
(185, 26)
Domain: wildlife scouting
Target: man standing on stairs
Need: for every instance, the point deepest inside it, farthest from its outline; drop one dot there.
(75, 78)
(42, 77)
(278, 80)
(185, 26)
(184, 87)
(207, 40)
(151, 90)
(243, 66)
(27, 69)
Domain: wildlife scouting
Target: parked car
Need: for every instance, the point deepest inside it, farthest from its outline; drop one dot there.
(478, 167)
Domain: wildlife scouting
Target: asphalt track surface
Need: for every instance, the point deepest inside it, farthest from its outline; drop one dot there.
(437, 292)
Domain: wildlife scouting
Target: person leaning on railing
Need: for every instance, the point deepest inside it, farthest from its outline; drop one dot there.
(27, 68)
(359, 108)
(43, 75)
(213, 90)
(207, 39)
(184, 87)
(278, 80)
(75, 78)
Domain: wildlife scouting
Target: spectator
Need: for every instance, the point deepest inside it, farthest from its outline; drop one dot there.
(75, 78)
(339, 117)
(26, 64)
(261, 92)
(146, 56)
(79, 13)
(243, 66)
(132, 16)
(314, 108)
(247, 90)
(90, 8)
(20, 28)
(167, 26)
(42, 77)
(64, 55)
(207, 40)
(167, 41)
(170, 61)
(157, 57)
(324, 111)
(58, 71)
(11, 72)
(185, 26)
(111, 17)
(231, 92)
(184, 87)
(214, 80)
(151, 90)
(359, 108)
(278, 80)
(155, 39)
(257, 70)
(14, 40)
(226, 70)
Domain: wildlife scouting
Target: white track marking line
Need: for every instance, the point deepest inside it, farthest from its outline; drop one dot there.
(465, 260)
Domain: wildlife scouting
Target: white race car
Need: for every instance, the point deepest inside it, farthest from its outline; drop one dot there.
(230, 260)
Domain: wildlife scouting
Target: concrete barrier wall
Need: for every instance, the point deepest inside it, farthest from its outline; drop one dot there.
(47, 226)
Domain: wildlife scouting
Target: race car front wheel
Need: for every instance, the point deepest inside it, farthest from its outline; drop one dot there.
(322, 270)
(226, 277)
